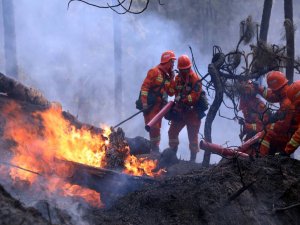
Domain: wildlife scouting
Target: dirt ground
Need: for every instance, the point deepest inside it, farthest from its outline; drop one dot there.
(12, 212)
(232, 192)
(215, 195)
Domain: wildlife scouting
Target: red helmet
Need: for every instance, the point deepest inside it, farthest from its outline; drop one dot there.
(276, 80)
(184, 62)
(167, 56)
(293, 92)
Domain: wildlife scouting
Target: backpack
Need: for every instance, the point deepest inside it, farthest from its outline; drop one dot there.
(151, 98)
(202, 105)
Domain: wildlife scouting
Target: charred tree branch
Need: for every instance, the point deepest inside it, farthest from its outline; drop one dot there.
(216, 80)
(239, 192)
(286, 208)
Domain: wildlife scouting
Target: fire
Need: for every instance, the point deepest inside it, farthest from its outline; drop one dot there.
(47, 137)
(89, 195)
(139, 167)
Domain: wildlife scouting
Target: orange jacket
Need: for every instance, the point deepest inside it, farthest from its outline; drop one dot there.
(281, 126)
(254, 111)
(188, 87)
(153, 81)
(294, 142)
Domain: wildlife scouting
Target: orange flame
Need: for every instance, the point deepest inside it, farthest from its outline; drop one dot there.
(139, 167)
(47, 136)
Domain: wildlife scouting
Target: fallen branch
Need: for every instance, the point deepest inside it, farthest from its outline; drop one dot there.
(239, 192)
(286, 208)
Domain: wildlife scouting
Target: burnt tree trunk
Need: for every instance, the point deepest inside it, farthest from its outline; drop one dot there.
(10, 52)
(265, 20)
(290, 39)
(216, 79)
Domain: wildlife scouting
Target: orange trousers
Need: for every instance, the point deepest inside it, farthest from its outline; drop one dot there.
(191, 120)
(155, 131)
(273, 141)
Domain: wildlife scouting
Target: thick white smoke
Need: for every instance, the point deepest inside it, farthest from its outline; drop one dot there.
(69, 56)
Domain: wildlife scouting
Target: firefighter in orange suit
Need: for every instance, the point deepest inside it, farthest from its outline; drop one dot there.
(254, 110)
(157, 81)
(187, 88)
(277, 132)
(293, 94)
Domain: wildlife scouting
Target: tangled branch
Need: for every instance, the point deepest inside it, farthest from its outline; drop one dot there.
(121, 4)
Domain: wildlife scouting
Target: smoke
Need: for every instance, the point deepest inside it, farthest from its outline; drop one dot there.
(69, 56)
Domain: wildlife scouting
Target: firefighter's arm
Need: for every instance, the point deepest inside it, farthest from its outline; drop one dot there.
(255, 127)
(193, 97)
(170, 87)
(268, 94)
(146, 86)
(285, 116)
(294, 142)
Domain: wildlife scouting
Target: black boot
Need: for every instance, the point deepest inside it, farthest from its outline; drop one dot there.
(154, 148)
(174, 149)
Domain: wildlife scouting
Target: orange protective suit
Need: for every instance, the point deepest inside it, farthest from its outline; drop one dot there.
(189, 87)
(255, 115)
(157, 80)
(293, 94)
(278, 133)
(294, 142)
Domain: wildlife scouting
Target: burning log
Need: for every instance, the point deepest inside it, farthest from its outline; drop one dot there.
(18, 91)
(109, 183)
(41, 132)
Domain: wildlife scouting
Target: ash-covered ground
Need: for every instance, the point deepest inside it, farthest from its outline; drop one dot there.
(232, 192)
(263, 191)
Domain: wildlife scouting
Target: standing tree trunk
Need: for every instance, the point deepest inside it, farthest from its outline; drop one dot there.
(216, 79)
(118, 64)
(265, 20)
(10, 52)
(290, 39)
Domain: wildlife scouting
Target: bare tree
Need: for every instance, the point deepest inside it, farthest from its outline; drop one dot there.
(123, 5)
(265, 20)
(290, 39)
(213, 70)
(11, 67)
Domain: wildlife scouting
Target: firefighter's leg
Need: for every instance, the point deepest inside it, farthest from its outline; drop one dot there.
(174, 130)
(155, 130)
(193, 126)
(265, 145)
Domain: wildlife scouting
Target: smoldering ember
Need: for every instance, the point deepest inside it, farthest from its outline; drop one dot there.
(149, 112)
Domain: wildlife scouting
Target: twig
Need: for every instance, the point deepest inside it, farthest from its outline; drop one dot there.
(238, 193)
(21, 168)
(285, 208)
